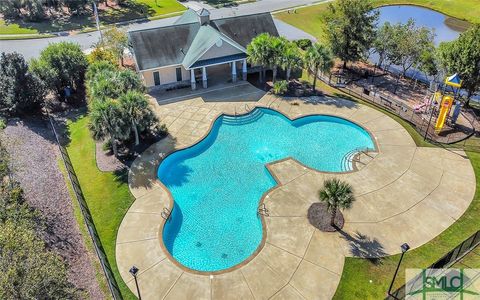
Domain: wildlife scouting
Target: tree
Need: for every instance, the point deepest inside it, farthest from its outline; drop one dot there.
(407, 44)
(351, 28)
(258, 52)
(109, 83)
(97, 67)
(337, 195)
(276, 50)
(20, 90)
(318, 58)
(382, 44)
(76, 6)
(135, 108)
(61, 65)
(428, 64)
(10, 9)
(35, 10)
(116, 41)
(462, 56)
(291, 58)
(108, 121)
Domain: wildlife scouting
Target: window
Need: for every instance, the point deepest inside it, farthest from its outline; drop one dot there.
(156, 78)
(179, 74)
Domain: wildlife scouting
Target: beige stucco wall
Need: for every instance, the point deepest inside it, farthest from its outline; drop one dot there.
(167, 75)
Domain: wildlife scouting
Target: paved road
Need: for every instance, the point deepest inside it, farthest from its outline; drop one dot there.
(31, 48)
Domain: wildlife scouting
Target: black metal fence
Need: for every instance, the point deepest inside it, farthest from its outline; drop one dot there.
(423, 125)
(445, 262)
(87, 217)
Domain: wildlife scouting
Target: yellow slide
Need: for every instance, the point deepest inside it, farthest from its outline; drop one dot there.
(445, 106)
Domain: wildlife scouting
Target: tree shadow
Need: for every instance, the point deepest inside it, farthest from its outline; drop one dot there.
(365, 247)
(121, 175)
(144, 171)
(128, 10)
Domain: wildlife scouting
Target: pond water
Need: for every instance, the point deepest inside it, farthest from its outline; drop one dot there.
(446, 28)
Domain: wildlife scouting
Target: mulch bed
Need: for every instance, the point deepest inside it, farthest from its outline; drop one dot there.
(319, 217)
(106, 161)
(34, 162)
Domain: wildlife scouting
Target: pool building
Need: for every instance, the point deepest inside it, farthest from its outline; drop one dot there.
(197, 49)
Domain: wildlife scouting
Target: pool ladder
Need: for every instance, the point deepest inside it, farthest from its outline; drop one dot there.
(166, 213)
(262, 210)
(247, 109)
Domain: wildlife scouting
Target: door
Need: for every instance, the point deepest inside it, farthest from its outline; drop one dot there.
(156, 78)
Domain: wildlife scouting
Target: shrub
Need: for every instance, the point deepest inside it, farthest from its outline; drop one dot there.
(60, 65)
(101, 54)
(30, 269)
(20, 90)
(303, 43)
(107, 146)
(280, 87)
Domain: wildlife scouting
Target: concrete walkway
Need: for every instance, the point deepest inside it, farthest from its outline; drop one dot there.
(404, 194)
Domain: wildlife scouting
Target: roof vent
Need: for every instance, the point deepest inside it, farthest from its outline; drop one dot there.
(203, 16)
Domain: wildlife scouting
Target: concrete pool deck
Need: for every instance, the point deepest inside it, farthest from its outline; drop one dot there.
(404, 193)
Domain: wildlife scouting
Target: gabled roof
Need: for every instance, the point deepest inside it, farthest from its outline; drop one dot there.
(190, 16)
(203, 13)
(162, 46)
(186, 41)
(243, 29)
(206, 37)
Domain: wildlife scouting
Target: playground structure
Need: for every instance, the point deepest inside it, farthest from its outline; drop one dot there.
(445, 101)
(445, 105)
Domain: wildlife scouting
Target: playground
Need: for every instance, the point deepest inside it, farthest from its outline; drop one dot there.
(436, 107)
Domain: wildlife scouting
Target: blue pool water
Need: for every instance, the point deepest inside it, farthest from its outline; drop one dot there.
(217, 184)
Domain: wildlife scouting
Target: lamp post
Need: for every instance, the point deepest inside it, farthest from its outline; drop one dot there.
(405, 247)
(97, 20)
(134, 271)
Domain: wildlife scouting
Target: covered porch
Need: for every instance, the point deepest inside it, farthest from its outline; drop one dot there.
(215, 71)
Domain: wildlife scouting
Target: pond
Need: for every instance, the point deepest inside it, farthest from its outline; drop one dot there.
(446, 28)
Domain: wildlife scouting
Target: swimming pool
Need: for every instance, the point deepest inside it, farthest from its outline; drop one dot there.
(217, 184)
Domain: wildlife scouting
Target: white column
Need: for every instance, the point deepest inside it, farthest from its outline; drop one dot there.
(244, 69)
(204, 77)
(192, 79)
(234, 71)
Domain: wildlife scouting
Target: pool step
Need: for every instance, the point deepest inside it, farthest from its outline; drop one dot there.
(349, 158)
(253, 116)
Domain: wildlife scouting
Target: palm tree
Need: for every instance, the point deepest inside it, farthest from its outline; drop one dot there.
(337, 195)
(135, 107)
(318, 58)
(258, 52)
(276, 46)
(108, 121)
(291, 58)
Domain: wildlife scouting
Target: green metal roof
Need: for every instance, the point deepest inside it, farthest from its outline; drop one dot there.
(206, 37)
(190, 16)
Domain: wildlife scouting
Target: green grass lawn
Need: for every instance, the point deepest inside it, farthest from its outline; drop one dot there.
(311, 19)
(137, 9)
(108, 198)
